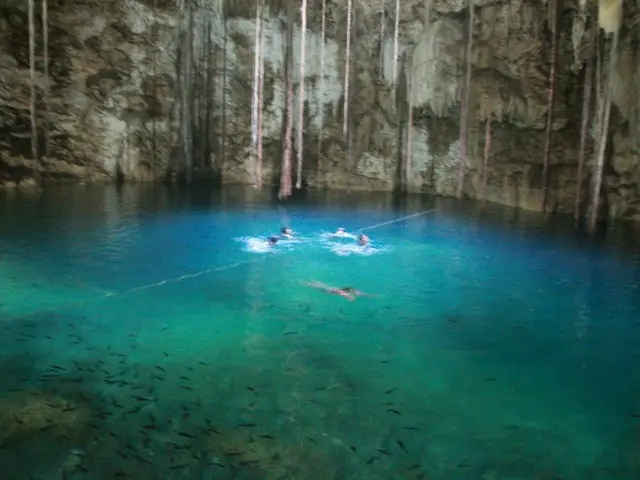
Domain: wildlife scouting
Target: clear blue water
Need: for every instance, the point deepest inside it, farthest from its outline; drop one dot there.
(142, 337)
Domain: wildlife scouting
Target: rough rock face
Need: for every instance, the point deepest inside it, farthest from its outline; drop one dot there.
(154, 89)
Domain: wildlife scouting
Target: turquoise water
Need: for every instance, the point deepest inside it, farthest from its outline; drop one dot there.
(145, 336)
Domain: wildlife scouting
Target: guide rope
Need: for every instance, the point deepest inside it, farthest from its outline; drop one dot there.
(200, 273)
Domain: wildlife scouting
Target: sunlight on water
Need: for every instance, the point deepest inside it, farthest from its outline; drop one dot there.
(151, 333)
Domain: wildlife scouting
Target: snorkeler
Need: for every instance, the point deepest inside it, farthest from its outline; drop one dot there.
(363, 240)
(349, 293)
(286, 232)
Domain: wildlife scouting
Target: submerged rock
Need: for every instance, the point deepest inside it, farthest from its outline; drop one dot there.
(31, 413)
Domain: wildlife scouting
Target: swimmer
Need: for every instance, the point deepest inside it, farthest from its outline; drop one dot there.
(349, 293)
(363, 240)
(286, 232)
(341, 232)
(272, 241)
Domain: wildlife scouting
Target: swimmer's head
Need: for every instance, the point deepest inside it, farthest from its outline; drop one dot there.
(347, 289)
(286, 231)
(363, 239)
(273, 240)
(340, 230)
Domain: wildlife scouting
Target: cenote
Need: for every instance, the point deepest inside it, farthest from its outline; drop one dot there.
(147, 334)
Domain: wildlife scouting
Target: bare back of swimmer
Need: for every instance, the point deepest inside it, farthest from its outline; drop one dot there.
(349, 293)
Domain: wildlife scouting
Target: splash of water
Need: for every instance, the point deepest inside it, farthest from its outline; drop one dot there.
(321, 87)
(394, 73)
(347, 69)
(32, 101)
(303, 48)
(464, 107)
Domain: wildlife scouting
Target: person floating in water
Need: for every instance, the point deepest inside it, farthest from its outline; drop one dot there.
(272, 241)
(286, 232)
(349, 293)
(341, 232)
(363, 240)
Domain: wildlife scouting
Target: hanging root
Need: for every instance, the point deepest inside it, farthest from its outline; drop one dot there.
(604, 134)
(464, 107)
(347, 65)
(260, 108)
(45, 54)
(551, 97)
(303, 48)
(584, 128)
(321, 88)
(32, 101)
(255, 94)
(285, 174)
(407, 160)
(485, 158)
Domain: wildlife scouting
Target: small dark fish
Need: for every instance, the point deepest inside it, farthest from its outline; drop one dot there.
(247, 462)
(634, 415)
(384, 452)
(291, 333)
(233, 454)
(269, 437)
(385, 361)
(353, 449)
(401, 445)
(160, 368)
(391, 390)
(216, 464)
(371, 460)
(202, 363)
(413, 467)
(411, 428)
(184, 387)
(185, 378)
(394, 411)
(312, 440)
(251, 389)
(165, 354)
(490, 379)
(187, 435)
(178, 467)
(142, 459)
(247, 425)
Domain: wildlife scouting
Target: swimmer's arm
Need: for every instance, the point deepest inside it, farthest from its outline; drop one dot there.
(315, 284)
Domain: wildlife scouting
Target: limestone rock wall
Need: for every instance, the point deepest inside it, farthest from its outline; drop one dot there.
(155, 89)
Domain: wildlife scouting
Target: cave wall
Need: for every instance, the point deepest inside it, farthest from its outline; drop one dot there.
(153, 89)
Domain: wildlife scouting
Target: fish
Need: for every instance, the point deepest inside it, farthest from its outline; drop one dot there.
(394, 411)
(247, 425)
(401, 445)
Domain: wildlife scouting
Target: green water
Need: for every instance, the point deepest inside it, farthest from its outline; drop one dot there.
(144, 337)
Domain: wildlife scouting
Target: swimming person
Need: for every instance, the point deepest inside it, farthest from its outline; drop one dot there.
(286, 232)
(363, 240)
(341, 232)
(272, 241)
(349, 293)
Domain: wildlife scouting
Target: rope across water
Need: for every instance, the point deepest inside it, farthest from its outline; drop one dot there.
(203, 272)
